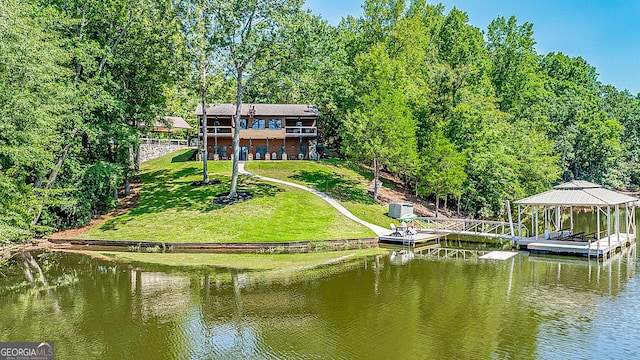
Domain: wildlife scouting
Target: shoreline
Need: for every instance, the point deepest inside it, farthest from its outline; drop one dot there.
(291, 247)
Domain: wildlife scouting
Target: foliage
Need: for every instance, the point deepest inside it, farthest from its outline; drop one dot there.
(80, 80)
(442, 171)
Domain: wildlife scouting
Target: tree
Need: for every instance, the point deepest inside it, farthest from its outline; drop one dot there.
(254, 38)
(199, 41)
(380, 131)
(33, 104)
(442, 170)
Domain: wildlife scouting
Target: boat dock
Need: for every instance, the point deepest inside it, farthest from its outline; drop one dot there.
(408, 239)
(600, 248)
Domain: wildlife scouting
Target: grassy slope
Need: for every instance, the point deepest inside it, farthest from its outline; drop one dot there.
(334, 178)
(170, 209)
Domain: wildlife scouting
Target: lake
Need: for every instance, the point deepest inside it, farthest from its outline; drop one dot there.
(369, 308)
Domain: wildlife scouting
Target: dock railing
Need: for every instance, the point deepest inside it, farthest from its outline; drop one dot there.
(471, 227)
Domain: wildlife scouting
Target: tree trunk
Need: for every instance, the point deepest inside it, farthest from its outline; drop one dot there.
(233, 192)
(54, 174)
(459, 200)
(437, 205)
(205, 152)
(375, 178)
(127, 186)
(445, 202)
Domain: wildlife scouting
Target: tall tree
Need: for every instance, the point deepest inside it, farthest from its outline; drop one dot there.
(200, 42)
(34, 100)
(442, 170)
(253, 38)
(381, 130)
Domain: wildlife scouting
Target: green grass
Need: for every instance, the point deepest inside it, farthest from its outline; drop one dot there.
(333, 177)
(172, 210)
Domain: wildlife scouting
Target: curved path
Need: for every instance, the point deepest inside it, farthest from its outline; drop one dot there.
(379, 230)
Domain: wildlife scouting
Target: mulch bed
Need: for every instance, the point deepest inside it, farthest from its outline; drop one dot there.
(225, 200)
(207, 183)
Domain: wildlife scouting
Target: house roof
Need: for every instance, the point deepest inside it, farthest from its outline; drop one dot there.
(170, 123)
(578, 193)
(261, 110)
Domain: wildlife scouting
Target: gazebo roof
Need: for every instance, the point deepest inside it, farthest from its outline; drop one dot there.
(578, 193)
(170, 124)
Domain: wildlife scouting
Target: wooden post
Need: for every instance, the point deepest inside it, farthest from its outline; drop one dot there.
(598, 229)
(571, 221)
(617, 223)
(609, 226)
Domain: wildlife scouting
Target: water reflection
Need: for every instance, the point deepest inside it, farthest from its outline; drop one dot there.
(527, 307)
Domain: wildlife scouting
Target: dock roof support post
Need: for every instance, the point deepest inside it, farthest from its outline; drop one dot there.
(519, 223)
(609, 227)
(558, 219)
(617, 223)
(535, 223)
(571, 216)
(627, 223)
(598, 229)
(633, 216)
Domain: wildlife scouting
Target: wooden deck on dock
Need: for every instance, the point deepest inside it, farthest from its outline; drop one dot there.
(602, 248)
(409, 239)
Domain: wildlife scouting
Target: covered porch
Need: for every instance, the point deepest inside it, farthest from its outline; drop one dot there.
(552, 220)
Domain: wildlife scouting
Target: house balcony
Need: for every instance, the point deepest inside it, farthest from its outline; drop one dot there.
(220, 131)
(301, 131)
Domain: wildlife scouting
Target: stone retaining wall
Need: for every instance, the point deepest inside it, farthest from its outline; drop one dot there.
(152, 151)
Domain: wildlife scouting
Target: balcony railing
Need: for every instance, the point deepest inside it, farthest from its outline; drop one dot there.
(303, 131)
(220, 130)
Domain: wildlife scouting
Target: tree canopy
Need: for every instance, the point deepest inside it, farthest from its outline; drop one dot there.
(452, 110)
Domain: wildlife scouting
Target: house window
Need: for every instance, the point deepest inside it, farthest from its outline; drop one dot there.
(221, 150)
(243, 123)
(261, 150)
(258, 124)
(275, 124)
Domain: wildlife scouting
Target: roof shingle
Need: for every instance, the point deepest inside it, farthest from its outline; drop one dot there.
(261, 110)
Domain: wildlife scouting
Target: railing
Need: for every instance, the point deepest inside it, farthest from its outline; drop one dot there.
(301, 130)
(485, 228)
(451, 253)
(151, 141)
(219, 130)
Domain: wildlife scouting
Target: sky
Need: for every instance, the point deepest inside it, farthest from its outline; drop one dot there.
(606, 33)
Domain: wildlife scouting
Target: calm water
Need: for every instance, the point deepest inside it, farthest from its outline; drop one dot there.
(369, 308)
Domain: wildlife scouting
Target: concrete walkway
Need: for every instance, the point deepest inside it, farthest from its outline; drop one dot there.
(379, 230)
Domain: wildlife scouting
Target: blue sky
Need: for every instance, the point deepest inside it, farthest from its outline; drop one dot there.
(605, 33)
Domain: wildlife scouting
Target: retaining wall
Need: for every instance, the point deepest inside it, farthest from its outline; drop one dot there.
(152, 151)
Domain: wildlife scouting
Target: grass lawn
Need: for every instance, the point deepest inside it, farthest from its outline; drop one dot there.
(332, 177)
(172, 210)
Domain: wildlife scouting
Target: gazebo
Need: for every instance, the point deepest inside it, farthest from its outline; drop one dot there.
(168, 125)
(578, 194)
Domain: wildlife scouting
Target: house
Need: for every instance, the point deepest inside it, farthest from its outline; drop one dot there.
(267, 131)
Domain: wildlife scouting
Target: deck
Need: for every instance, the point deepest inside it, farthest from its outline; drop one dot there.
(601, 248)
(408, 239)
